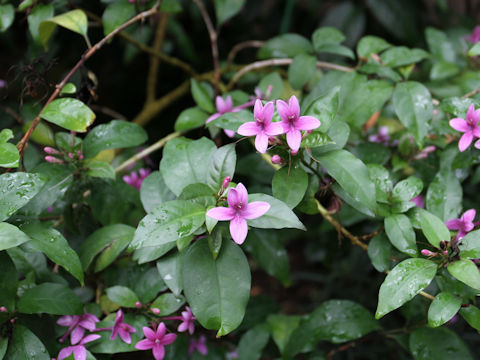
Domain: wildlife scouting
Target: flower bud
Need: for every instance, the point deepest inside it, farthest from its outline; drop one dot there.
(445, 252)
(53, 160)
(51, 151)
(276, 159)
(70, 155)
(293, 152)
(3, 309)
(138, 304)
(156, 311)
(426, 252)
(80, 155)
(226, 181)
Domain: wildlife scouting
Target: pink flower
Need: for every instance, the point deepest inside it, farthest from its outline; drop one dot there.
(474, 37)
(223, 107)
(262, 127)
(79, 351)
(238, 211)
(187, 323)
(122, 328)
(463, 225)
(156, 339)
(419, 201)
(292, 122)
(469, 127)
(381, 137)
(200, 345)
(77, 324)
(135, 179)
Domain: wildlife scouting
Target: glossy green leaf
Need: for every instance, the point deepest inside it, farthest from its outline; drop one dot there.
(55, 246)
(69, 88)
(251, 344)
(352, 175)
(8, 279)
(439, 45)
(401, 55)
(168, 222)
(474, 50)
(43, 134)
(466, 271)
(403, 192)
(16, 190)
(74, 20)
(379, 252)
(168, 303)
(301, 70)
(413, 106)
(38, 14)
(122, 296)
(444, 195)
(50, 298)
(154, 191)
(279, 215)
(222, 164)
(383, 184)
(403, 282)
(285, 45)
(282, 327)
(458, 106)
(400, 233)
(186, 162)
(443, 308)
(71, 114)
(7, 15)
(215, 240)
(169, 268)
(232, 120)
(371, 45)
(221, 301)
(109, 240)
(117, 13)
(439, 344)
(24, 345)
(113, 135)
(470, 245)
(442, 70)
(100, 169)
(11, 236)
(201, 96)
(326, 36)
(3, 347)
(9, 156)
(324, 109)
(225, 9)
(434, 229)
(290, 184)
(190, 118)
(471, 314)
(381, 71)
(199, 194)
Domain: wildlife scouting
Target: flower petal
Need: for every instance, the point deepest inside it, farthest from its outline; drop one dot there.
(238, 229)
(459, 124)
(149, 333)
(90, 338)
(258, 110)
(77, 335)
(261, 142)
(283, 110)
(168, 339)
(183, 326)
(65, 352)
(221, 213)
(161, 330)
(477, 144)
(468, 216)
(465, 141)
(307, 123)
(220, 104)
(232, 198)
(242, 194)
(213, 117)
(66, 320)
(144, 344)
(294, 106)
(454, 224)
(125, 336)
(158, 352)
(273, 128)
(470, 113)
(268, 111)
(248, 129)
(79, 352)
(255, 209)
(294, 138)
(228, 104)
(229, 133)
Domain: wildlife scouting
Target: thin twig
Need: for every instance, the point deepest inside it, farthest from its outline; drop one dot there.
(155, 60)
(154, 147)
(18, 118)
(241, 46)
(277, 62)
(107, 111)
(472, 93)
(139, 17)
(213, 40)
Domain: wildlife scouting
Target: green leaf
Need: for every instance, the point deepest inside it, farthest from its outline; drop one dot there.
(168, 303)
(301, 70)
(383, 184)
(326, 36)
(439, 344)
(167, 223)
(117, 13)
(434, 229)
(191, 118)
(170, 6)
(457, 106)
(466, 271)
(50, 298)
(401, 55)
(199, 194)
(471, 314)
(38, 14)
(285, 45)
(3, 346)
(282, 327)
(7, 15)
(251, 344)
(324, 109)
(379, 252)
(227, 281)
(403, 192)
(270, 253)
(186, 162)
(169, 268)
(381, 71)
(71, 114)
(474, 50)
(279, 216)
(9, 156)
(122, 295)
(470, 245)
(225, 9)
(55, 246)
(443, 308)
(24, 345)
(11, 236)
(274, 80)
(74, 20)
(444, 195)
(413, 106)
(113, 135)
(101, 169)
(440, 45)
(154, 191)
(69, 88)
(222, 164)
(371, 45)
(352, 175)
(110, 240)
(9, 281)
(442, 70)
(232, 120)
(16, 190)
(215, 240)
(400, 233)
(405, 281)
(201, 96)
(290, 184)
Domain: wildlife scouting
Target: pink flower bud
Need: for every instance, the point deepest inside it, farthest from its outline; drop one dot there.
(3, 309)
(276, 159)
(51, 151)
(156, 311)
(435, 111)
(294, 152)
(226, 181)
(426, 252)
(53, 160)
(70, 155)
(138, 304)
(445, 252)
(12, 320)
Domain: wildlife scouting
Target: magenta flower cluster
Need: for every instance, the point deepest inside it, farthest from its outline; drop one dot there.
(469, 127)
(136, 179)
(464, 225)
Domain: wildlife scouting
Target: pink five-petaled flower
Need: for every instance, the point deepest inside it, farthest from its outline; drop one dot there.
(292, 122)
(463, 225)
(381, 137)
(187, 323)
(77, 324)
(223, 107)
(419, 201)
(79, 351)
(238, 211)
(200, 345)
(122, 328)
(469, 127)
(135, 179)
(156, 339)
(262, 127)
(474, 37)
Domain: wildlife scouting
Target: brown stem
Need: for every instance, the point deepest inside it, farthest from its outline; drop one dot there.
(213, 40)
(276, 62)
(141, 16)
(107, 111)
(472, 93)
(154, 60)
(18, 118)
(241, 46)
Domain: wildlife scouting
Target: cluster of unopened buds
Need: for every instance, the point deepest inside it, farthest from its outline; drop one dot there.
(55, 156)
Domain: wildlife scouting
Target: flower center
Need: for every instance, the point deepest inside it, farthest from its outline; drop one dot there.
(157, 341)
(239, 206)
